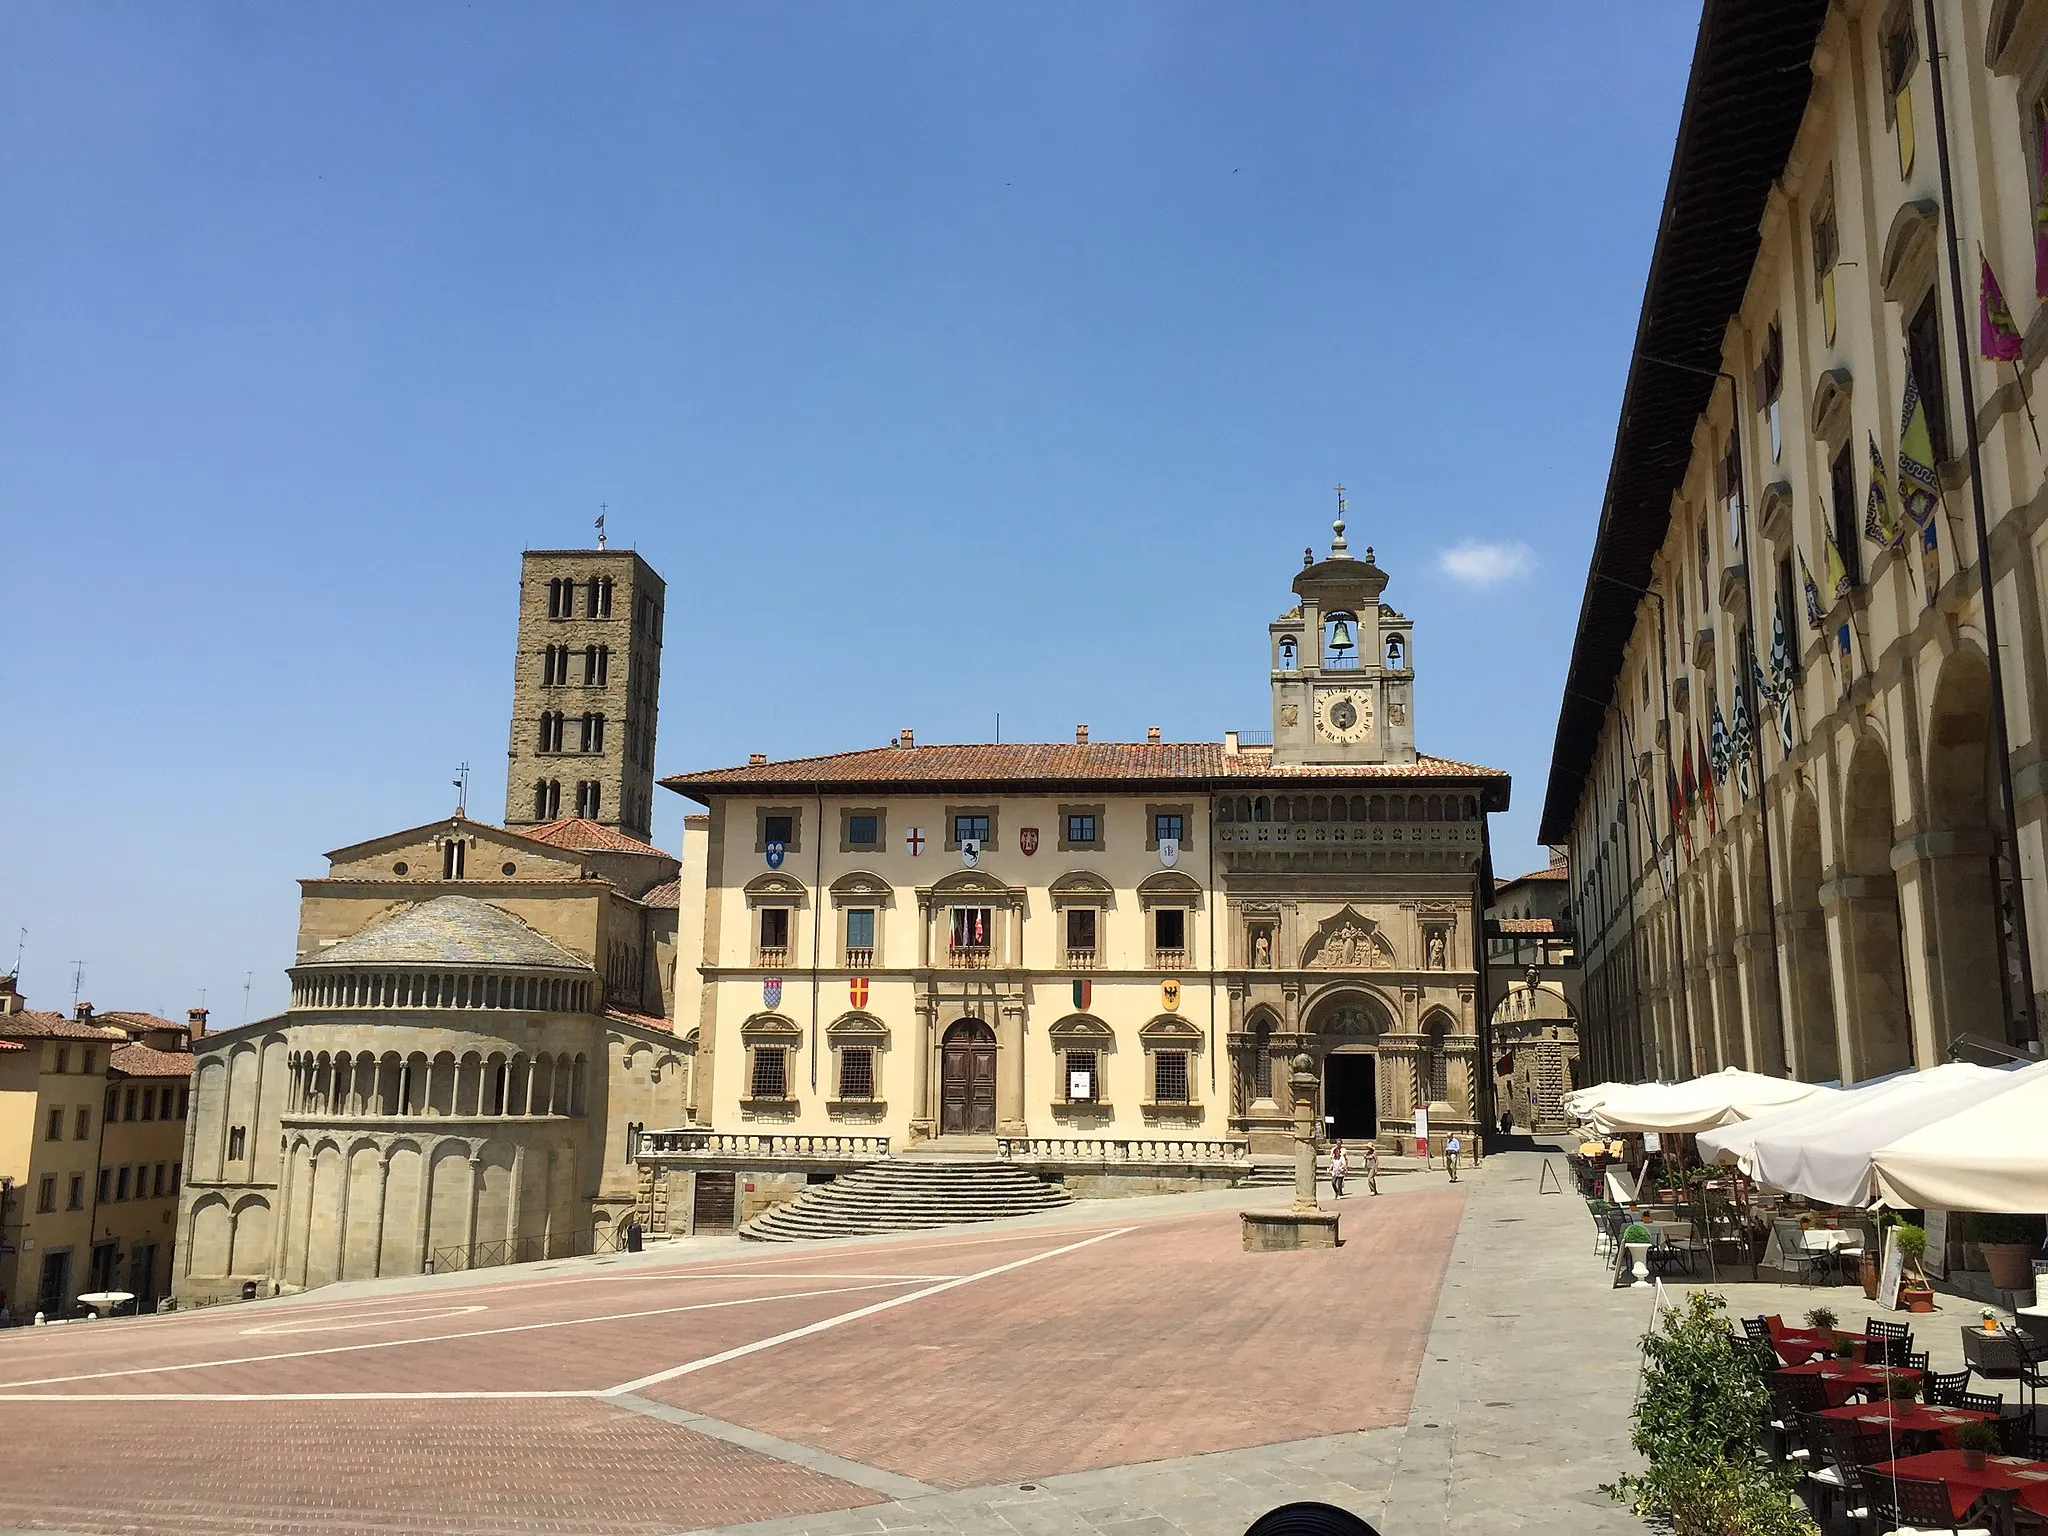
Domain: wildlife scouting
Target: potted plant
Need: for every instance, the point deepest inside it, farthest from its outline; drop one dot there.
(1845, 1349)
(1977, 1441)
(1901, 1386)
(2008, 1244)
(1821, 1319)
(1916, 1295)
(1637, 1240)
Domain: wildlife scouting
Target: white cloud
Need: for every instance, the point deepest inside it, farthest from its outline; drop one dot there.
(1486, 565)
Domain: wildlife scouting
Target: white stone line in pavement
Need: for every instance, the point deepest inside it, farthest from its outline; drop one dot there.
(282, 1397)
(656, 1378)
(443, 1338)
(809, 1457)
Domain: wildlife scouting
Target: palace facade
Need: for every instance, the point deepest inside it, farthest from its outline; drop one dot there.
(1800, 760)
(1095, 957)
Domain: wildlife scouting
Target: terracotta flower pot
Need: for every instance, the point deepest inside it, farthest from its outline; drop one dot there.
(1868, 1272)
(1973, 1461)
(2011, 1265)
(1917, 1298)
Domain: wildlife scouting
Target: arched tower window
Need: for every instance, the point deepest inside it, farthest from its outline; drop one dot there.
(1287, 655)
(1340, 641)
(1397, 653)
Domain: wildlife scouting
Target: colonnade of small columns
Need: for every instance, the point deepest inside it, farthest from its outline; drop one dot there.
(315, 988)
(364, 1084)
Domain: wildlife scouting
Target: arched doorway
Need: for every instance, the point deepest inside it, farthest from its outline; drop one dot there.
(967, 1080)
(1348, 1029)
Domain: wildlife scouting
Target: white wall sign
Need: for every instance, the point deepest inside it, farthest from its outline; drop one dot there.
(1893, 1273)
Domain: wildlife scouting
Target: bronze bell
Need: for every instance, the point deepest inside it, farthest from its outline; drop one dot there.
(1340, 637)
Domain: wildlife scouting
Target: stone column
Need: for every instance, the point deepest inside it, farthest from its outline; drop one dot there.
(341, 1221)
(383, 1189)
(1863, 932)
(426, 1201)
(1010, 1072)
(469, 1204)
(1302, 1079)
(512, 1200)
(924, 1047)
(1950, 875)
(1764, 1035)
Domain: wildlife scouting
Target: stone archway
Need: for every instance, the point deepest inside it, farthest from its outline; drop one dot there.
(1863, 903)
(1802, 930)
(1963, 859)
(1346, 1027)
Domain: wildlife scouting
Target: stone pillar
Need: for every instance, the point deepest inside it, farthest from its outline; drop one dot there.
(426, 1201)
(383, 1189)
(281, 1235)
(1810, 1043)
(469, 1204)
(312, 1205)
(1010, 1072)
(341, 1220)
(1302, 1078)
(1863, 932)
(924, 1049)
(512, 1198)
(1951, 876)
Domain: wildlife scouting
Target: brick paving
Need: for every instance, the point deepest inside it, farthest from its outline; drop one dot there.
(1135, 1349)
(331, 1468)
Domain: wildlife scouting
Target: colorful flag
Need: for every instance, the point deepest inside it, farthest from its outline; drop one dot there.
(1781, 680)
(1707, 794)
(1838, 572)
(1689, 784)
(1717, 761)
(1816, 614)
(1930, 560)
(1997, 337)
(1919, 488)
(1739, 743)
(1880, 523)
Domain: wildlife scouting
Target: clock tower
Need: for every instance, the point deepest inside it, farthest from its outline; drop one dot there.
(1343, 665)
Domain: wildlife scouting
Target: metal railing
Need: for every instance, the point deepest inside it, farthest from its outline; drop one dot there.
(522, 1250)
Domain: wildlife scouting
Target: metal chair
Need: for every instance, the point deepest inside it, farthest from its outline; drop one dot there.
(1793, 1251)
(1797, 1392)
(1849, 1449)
(1980, 1402)
(1884, 1328)
(1920, 1362)
(1944, 1391)
(1758, 1330)
(1908, 1506)
(2027, 1356)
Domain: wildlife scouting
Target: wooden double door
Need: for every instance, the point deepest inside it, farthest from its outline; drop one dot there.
(967, 1080)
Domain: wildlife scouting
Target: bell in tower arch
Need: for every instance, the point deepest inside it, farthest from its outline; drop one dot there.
(1340, 637)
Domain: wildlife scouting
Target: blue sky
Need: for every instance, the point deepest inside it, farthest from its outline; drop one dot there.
(947, 360)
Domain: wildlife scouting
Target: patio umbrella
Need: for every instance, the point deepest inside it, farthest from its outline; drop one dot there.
(105, 1298)
(1992, 1156)
(1700, 1103)
(1736, 1142)
(1827, 1158)
(1581, 1102)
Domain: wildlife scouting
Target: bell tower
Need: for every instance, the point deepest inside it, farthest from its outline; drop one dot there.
(1343, 665)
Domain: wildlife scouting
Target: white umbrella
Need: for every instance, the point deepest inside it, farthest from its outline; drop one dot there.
(1828, 1158)
(1992, 1156)
(1736, 1142)
(105, 1298)
(1700, 1103)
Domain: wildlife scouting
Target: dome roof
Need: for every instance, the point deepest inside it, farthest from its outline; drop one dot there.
(450, 930)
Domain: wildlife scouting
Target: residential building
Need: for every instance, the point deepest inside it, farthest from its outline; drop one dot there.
(1799, 759)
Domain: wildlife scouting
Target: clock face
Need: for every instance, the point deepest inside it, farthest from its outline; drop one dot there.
(1343, 715)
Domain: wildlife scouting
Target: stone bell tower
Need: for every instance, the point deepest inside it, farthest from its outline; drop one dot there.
(1343, 665)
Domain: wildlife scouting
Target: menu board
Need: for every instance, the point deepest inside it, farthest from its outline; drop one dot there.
(1894, 1272)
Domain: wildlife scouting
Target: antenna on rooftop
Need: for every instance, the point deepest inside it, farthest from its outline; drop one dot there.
(77, 982)
(247, 978)
(461, 783)
(20, 945)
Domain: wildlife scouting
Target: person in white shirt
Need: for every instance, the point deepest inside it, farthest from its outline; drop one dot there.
(1338, 1168)
(1452, 1147)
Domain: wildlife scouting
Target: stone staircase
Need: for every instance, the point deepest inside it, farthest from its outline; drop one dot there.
(907, 1194)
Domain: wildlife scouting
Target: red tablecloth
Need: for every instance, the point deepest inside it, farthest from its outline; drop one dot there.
(1795, 1346)
(1844, 1378)
(1908, 1417)
(2028, 1479)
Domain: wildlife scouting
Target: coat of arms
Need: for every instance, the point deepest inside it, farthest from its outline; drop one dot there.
(1169, 996)
(775, 853)
(857, 989)
(1169, 851)
(913, 841)
(970, 851)
(1084, 992)
(771, 991)
(1027, 840)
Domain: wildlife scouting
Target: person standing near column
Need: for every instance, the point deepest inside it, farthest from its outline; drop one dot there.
(1452, 1147)
(1372, 1167)
(1338, 1168)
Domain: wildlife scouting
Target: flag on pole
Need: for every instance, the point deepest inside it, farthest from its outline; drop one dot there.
(1718, 750)
(1997, 337)
(1739, 743)
(1919, 487)
(1707, 793)
(1781, 680)
(1816, 614)
(1688, 783)
(1838, 571)
(1880, 523)
(1930, 560)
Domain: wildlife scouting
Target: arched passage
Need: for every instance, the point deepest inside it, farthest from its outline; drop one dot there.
(1731, 1047)
(1863, 907)
(1802, 930)
(1347, 1027)
(1963, 859)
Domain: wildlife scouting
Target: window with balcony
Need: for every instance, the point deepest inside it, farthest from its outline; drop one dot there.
(1169, 938)
(774, 937)
(971, 937)
(860, 938)
(1081, 929)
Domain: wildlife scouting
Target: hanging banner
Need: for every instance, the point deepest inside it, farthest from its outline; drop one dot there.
(1422, 1130)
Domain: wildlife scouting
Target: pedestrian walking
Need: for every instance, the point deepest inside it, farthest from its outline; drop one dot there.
(1338, 1168)
(1372, 1167)
(1452, 1147)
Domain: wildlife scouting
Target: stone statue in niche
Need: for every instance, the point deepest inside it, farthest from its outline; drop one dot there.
(1262, 951)
(1436, 951)
(1397, 712)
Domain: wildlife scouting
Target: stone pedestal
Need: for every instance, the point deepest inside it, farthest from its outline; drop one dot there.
(1305, 1224)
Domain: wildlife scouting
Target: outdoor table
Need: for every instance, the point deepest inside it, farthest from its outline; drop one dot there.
(1796, 1346)
(2028, 1480)
(1843, 1377)
(1911, 1418)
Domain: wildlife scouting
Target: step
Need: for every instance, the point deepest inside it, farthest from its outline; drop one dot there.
(908, 1193)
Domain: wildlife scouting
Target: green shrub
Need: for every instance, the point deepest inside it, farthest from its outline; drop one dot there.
(1978, 1437)
(1912, 1242)
(2006, 1229)
(1902, 1388)
(1822, 1318)
(1704, 1403)
(1638, 1233)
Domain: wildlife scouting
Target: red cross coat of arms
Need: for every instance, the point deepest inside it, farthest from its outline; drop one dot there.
(858, 990)
(1027, 840)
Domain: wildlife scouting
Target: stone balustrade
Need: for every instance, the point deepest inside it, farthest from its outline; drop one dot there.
(697, 1146)
(1103, 1150)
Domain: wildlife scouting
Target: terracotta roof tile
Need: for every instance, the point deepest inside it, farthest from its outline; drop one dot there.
(141, 1061)
(1034, 763)
(1554, 872)
(587, 836)
(52, 1026)
(1534, 927)
(124, 1019)
(644, 1020)
(667, 894)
